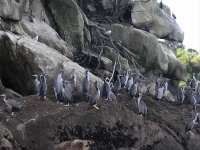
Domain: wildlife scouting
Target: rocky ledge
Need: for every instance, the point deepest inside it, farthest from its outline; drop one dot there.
(48, 125)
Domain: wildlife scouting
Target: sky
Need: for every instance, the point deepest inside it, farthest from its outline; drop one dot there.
(188, 18)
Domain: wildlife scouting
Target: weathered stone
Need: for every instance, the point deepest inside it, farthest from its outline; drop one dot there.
(109, 52)
(27, 57)
(70, 22)
(14, 27)
(168, 96)
(37, 7)
(159, 21)
(87, 35)
(140, 17)
(90, 8)
(146, 46)
(10, 9)
(5, 144)
(106, 4)
(25, 5)
(5, 132)
(47, 35)
(74, 145)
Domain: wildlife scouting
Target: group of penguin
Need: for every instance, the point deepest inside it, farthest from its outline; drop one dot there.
(129, 80)
(64, 89)
(193, 99)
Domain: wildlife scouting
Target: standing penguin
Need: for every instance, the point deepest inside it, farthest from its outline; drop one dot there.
(194, 83)
(67, 94)
(85, 84)
(36, 83)
(180, 95)
(160, 92)
(157, 85)
(124, 79)
(106, 89)
(112, 96)
(129, 83)
(194, 112)
(1, 25)
(142, 106)
(134, 89)
(190, 124)
(71, 84)
(165, 84)
(43, 15)
(58, 86)
(95, 97)
(43, 87)
(117, 86)
(198, 95)
(12, 104)
(192, 99)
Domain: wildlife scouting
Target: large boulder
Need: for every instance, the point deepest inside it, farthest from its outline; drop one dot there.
(10, 9)
(139, 16)
(159, 21)
(69, 21)
(6, 138)
(21, 57)
(153, 54)
(46, 35)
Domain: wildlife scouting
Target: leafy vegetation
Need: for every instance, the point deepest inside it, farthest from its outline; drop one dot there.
(191, 59)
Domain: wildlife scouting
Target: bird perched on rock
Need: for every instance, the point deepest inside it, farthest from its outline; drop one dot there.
(117, 85)
(67, 94)
(124, 79)
(36, 38)
(161, 4)
(36, 83)
(43, 15)
(85, 84)
(181, 94)
(43, 87)
(58, 87)
(134, 89)
(190, 124)
(157, 85)
(108, 32)
(112, 96)
(106, 89)
(160, 92)
(194, 112)
(31, 15)
(12, 104)
(173, 15)
(194, 83)
(129, 83)
(192, 99)
(165, 84)
(142, 106)
(95, 97)
(198, 95)
(1, 25)
(71, 84)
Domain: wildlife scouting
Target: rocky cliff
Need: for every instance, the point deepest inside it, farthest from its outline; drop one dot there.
(71, 35)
